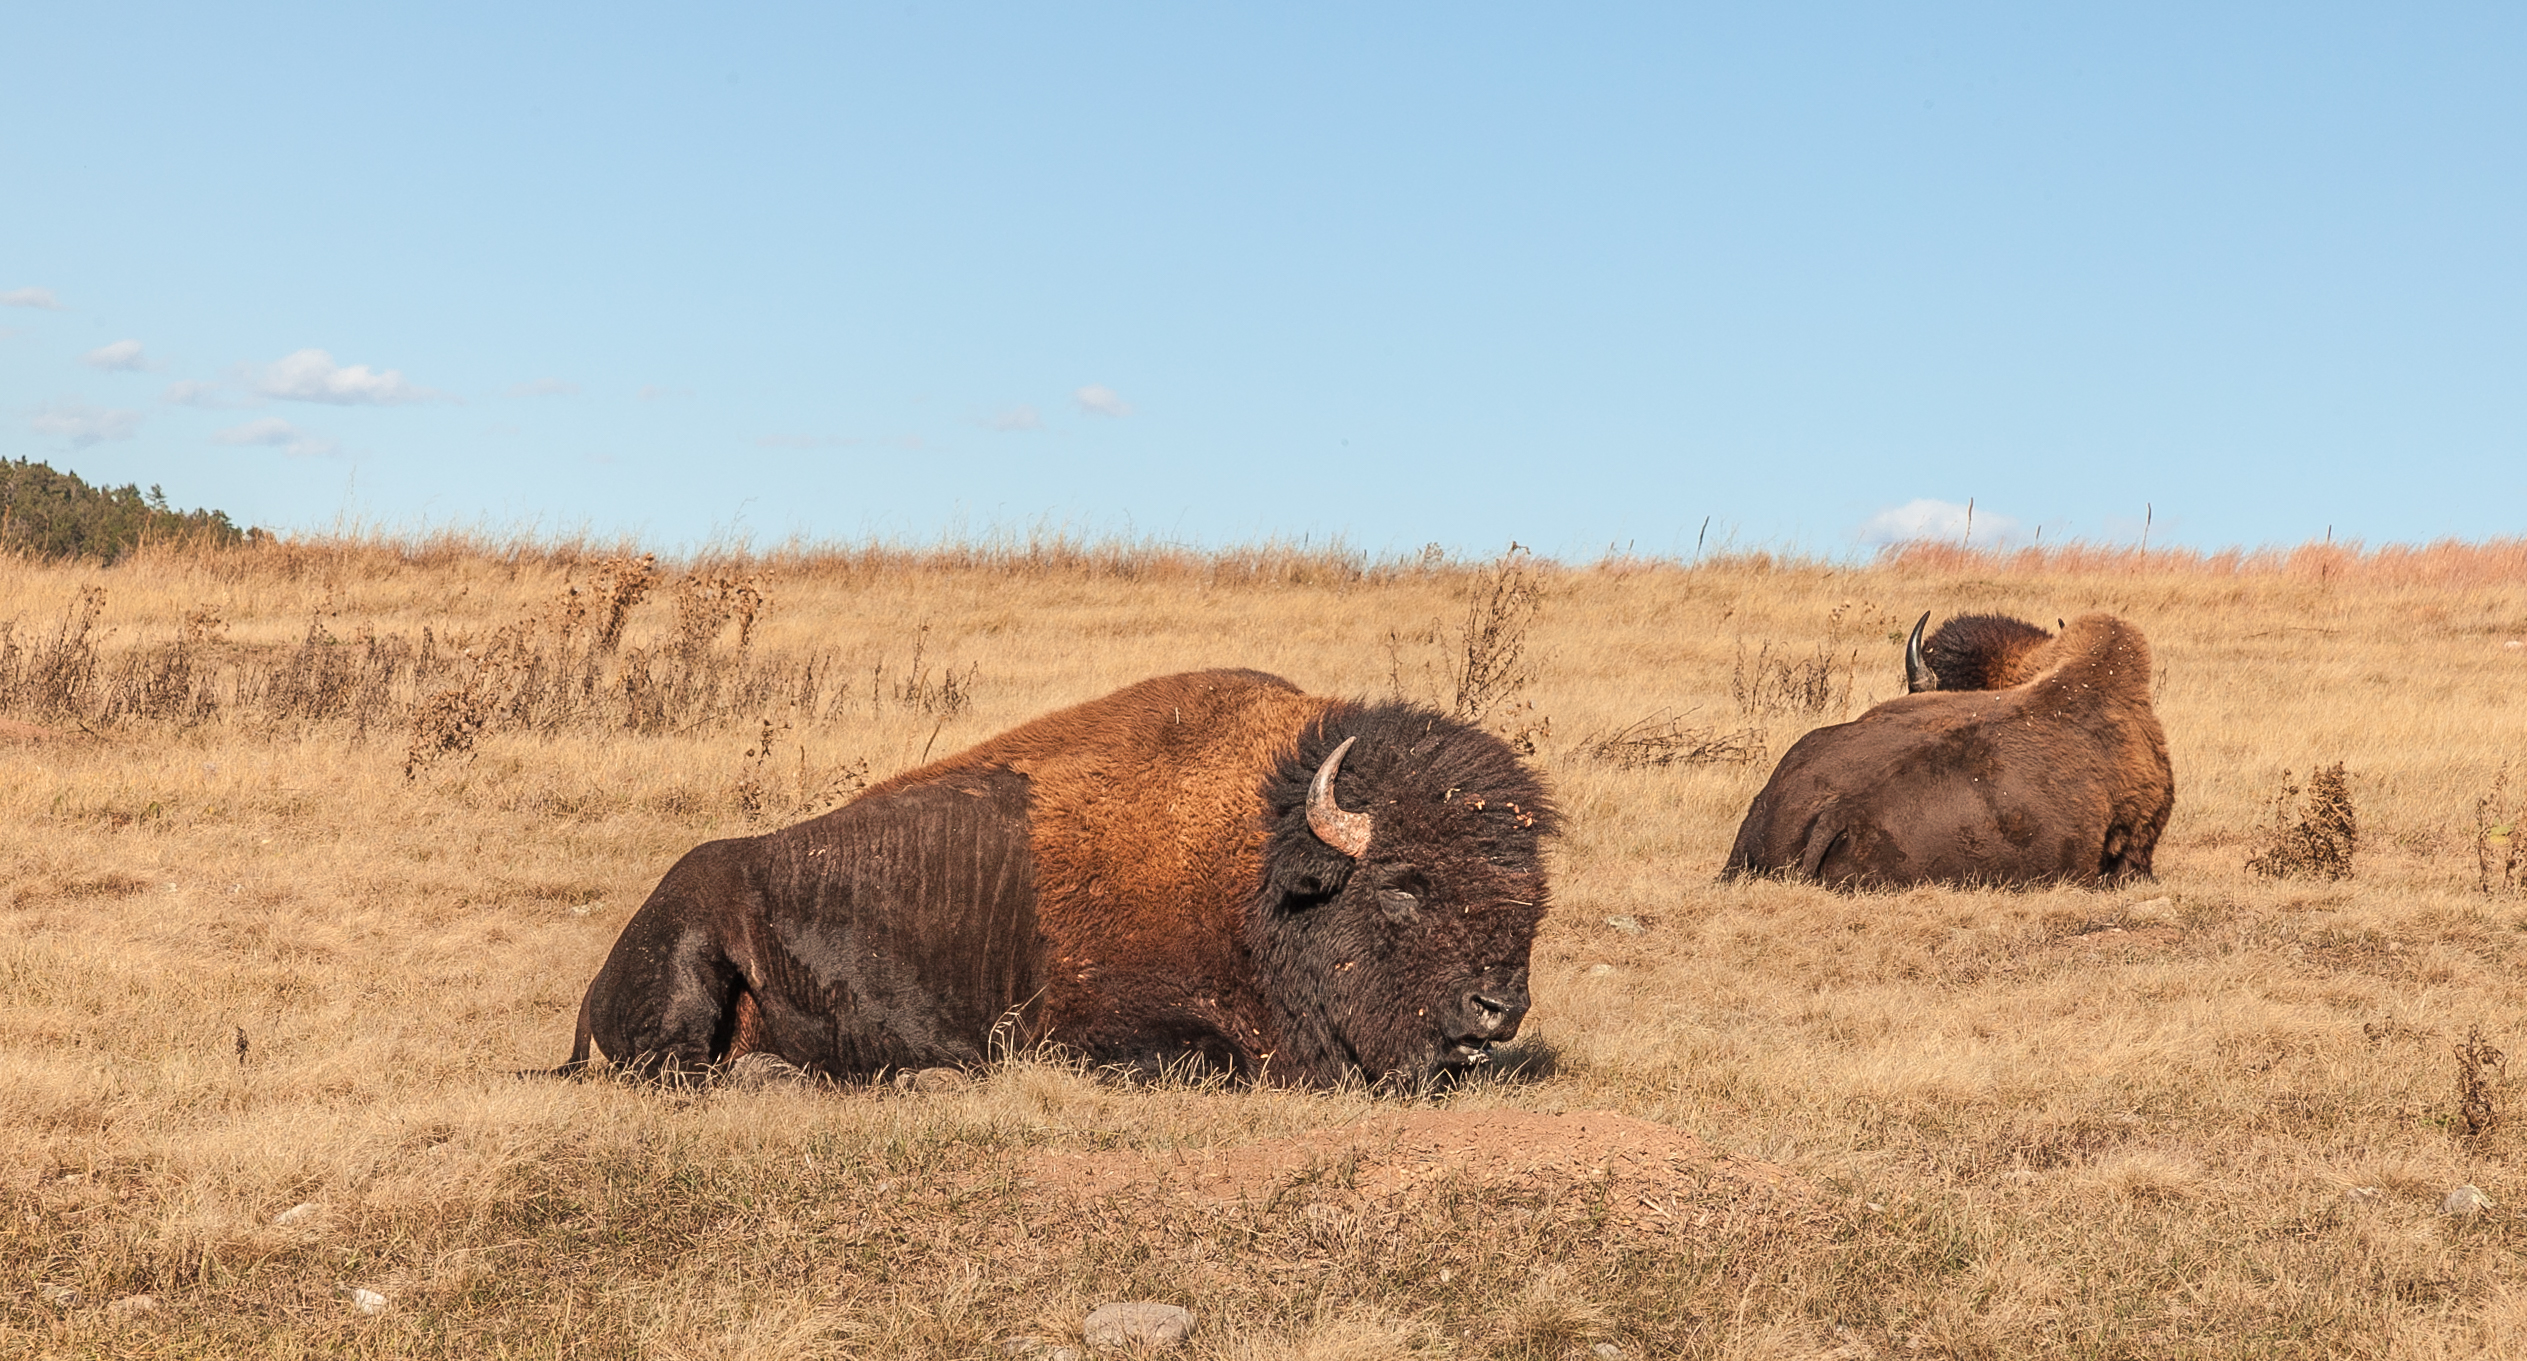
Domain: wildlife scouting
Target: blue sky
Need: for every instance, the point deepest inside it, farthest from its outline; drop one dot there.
(1400, 274)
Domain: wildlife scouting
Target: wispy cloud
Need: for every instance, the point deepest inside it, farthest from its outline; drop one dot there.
(312, 376)
(651, 392)
(281, 435)
(1019, 417)
(545, 387)
(31, 297)
(1925, 518)
(85, 425)
(121, 356)
(197, 392)
(1099, 400)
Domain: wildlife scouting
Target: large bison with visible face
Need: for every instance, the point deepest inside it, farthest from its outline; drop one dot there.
(2021, 757)
(1210, 870)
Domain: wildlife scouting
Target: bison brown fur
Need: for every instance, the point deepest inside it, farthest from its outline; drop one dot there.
(1138, 880)
(2036, 758)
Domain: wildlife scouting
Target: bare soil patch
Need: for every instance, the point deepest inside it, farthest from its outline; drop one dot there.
(1639, 1170)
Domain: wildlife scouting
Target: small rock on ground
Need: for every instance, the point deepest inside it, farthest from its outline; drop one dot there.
(366, 1301)
(2465, 1200)
(63, 1296)
(297, 1214)
(758, 1070)
(930, 1081)
(1627, 924)
(1138, 1323)
(133, 1306)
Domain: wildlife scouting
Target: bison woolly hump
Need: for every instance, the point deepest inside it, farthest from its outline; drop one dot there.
(1210, 871)
(2022, 757)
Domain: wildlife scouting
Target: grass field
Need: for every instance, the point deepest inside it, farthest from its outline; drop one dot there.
(306, 847)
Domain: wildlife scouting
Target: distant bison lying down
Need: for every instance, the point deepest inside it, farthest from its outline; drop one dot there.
(1210, 871)
(2023, 757)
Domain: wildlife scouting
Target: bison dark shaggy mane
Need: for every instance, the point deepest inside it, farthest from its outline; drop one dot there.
(1210, 871)
(2023, 757)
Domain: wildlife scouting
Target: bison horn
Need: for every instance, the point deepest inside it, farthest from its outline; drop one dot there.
(1345, 832)
(1917, 673)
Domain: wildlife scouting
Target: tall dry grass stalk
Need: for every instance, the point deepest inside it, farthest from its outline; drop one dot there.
(379, 805)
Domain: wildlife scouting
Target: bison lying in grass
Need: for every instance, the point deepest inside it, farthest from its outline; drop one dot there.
(2023, 758)
(1209, 871)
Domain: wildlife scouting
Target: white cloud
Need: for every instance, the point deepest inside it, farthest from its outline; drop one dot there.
(281, 435)
(122, 355)
(195, 392)
(545, 387)
(312, 376)
(1943, 521)
(84, 425)
(1099, 400)
(651, 392)
(1019, 417)
(31, 297)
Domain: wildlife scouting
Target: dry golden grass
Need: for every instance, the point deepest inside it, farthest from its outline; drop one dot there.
(2210, 1116)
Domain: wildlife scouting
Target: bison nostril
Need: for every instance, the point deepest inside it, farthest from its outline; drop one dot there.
(1491, 1015)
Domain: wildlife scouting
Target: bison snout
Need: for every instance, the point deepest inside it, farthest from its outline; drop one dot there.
(1493, 1013)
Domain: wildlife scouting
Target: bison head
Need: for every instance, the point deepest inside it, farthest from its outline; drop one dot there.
(1401, 892)
(1974, 652)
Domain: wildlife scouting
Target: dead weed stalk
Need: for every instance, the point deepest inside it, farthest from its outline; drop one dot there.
(2315, 840)
(1664, 740)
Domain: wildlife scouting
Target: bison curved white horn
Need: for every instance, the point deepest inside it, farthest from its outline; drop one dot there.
(1345, 832)
(1917, 673)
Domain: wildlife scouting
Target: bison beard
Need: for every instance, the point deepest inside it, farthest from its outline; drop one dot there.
(1139, 880)
(2030, 758)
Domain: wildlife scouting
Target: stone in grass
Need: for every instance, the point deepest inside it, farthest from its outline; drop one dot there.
(932, 1081)
(297, 1214)
(1138, 1323)
(133, 1306)
(759, 1070)
(63, 1296)
(366, 1301)
(1627, 924)
(2363, 1195)
(2465, 1200)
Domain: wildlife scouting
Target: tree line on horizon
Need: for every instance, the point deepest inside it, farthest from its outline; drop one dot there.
(49, 513)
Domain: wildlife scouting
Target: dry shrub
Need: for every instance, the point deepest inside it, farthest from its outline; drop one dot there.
(1490, 665)
(621, 583)
(2496, 837)
(1665, 740)
(49, 678)
(943, 692)
(2479, 1066)
(2316, 840)
(1766, 686)
(1484, 669)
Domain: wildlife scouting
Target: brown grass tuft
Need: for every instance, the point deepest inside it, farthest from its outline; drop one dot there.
(2315, 840)
(2479, 1068)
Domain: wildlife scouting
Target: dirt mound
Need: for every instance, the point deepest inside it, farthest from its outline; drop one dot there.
(1649, 1173)
(13, 732)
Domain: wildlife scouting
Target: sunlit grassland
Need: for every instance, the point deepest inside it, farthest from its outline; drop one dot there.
(2140, 1121)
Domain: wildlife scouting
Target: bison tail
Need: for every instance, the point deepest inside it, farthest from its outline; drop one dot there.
(1824, 835)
